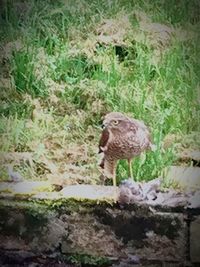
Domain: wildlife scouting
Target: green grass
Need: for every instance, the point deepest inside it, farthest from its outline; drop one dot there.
(62, 79)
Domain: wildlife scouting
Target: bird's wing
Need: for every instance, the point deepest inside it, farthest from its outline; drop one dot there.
(138, 133)
(139, 124)
(148, 135)
(103, 140)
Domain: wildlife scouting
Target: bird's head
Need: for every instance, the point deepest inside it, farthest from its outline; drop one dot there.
(115, 121)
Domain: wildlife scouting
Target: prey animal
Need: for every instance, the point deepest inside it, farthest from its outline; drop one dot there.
(122, 138)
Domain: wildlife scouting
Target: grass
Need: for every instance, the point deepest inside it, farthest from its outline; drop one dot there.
(65, 65)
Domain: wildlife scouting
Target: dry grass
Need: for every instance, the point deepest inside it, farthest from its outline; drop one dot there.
(65, 66)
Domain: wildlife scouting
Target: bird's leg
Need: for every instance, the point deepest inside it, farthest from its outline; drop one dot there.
(114, 173)
(114, 179)
(130, 169)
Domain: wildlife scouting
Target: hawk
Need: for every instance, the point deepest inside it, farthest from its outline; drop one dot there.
(122, 138)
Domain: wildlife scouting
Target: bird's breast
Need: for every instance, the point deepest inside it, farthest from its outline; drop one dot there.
(127, 146)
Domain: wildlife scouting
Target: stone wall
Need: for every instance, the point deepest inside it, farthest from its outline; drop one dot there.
(62, 227)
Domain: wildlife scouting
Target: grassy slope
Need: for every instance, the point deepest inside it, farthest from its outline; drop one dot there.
(58, 79)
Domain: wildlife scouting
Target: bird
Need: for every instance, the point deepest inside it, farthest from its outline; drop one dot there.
(122, 137)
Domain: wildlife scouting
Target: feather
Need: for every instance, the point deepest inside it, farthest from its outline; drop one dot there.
(103, 140)
(109, 167)
(102, 163)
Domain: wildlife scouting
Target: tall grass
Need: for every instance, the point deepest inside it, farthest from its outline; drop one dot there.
(164, 95)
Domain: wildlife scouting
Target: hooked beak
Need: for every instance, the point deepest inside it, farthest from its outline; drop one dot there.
(104, 125)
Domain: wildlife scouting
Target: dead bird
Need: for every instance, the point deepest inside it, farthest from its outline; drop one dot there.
(131, 191)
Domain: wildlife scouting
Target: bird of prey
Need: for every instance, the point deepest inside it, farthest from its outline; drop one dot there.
(122, 138)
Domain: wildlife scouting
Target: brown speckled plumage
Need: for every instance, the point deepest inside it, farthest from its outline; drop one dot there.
(122, 138)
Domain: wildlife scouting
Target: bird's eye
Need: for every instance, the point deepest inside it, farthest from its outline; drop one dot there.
(115, 122)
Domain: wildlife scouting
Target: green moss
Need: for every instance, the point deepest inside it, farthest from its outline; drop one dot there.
(24, 195)
(6, 190)
(41, 206)
(21, 218)
(70, 204)
(88, 260)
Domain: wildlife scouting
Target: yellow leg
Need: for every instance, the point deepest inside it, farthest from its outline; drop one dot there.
(130, 169)
(114, 173)
(114, 179)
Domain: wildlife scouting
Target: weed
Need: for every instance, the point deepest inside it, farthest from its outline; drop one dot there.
(78, 61)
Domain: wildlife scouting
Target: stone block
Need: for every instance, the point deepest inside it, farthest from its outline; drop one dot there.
(186, 177)
(195, 240)
(96, 229)
(87, 220)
